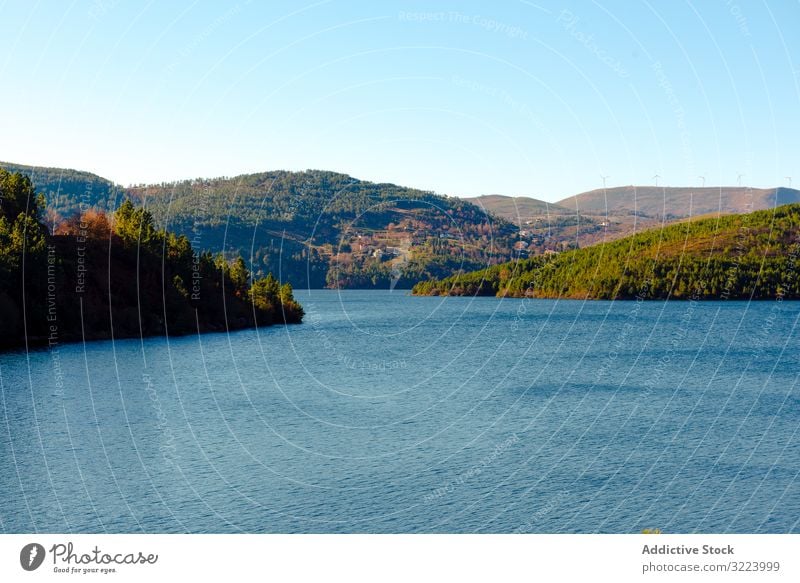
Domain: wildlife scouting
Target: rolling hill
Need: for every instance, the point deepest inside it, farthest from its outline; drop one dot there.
(601, 215)
(552, 227)
(312, 228)
(518, 209)
(676, 203)
(742, 256)
(87, 282)
(66, 190)
(318, 228)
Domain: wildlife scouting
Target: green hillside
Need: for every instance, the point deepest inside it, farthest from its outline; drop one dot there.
(312, 229)
(117, 276)
(735, 256)
(518, 209)
(551, 227)
(318, 228)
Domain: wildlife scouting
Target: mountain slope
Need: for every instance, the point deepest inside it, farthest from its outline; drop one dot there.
(551, 227)
(66, 190)
(102, 278)
(318, 228)
(312, 229)
(672, 202)
(518, 209)
(735, 256)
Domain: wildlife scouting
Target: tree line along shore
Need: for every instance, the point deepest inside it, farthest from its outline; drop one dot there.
(742, 256)
(100, 275)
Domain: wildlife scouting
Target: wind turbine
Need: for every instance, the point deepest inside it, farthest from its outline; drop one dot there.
(656, 177)
(739, 178)
(703, 178)
(789, 178)
(604, 180)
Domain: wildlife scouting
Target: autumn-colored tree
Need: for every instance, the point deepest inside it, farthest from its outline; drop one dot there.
(91, 224)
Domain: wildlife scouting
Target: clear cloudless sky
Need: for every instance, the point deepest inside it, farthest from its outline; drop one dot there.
(463, 98)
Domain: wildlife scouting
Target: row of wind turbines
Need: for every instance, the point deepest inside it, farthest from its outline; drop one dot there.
(703, 178)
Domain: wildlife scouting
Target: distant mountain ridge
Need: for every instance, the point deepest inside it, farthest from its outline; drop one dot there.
(64, 187)
(319, 228)
(603, 215)
(513, 208)
(679, 202)
(313, 228)
(737, 256)
(645, 201)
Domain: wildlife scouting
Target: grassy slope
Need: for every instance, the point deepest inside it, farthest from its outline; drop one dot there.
(734, 256)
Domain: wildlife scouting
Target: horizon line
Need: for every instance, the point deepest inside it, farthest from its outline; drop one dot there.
(513, 196)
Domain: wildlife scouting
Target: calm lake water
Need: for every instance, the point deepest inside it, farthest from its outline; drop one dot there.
(390, 413)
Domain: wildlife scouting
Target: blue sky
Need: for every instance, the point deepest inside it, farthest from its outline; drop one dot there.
(462, 98)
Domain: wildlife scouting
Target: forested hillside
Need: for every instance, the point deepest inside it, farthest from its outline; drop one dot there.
(66, 191)
(603, 215)
(324, 229)
(667, 202)
(732, 257)
(319, 228)
(312, 229)
(98, 269)
(518, 209)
